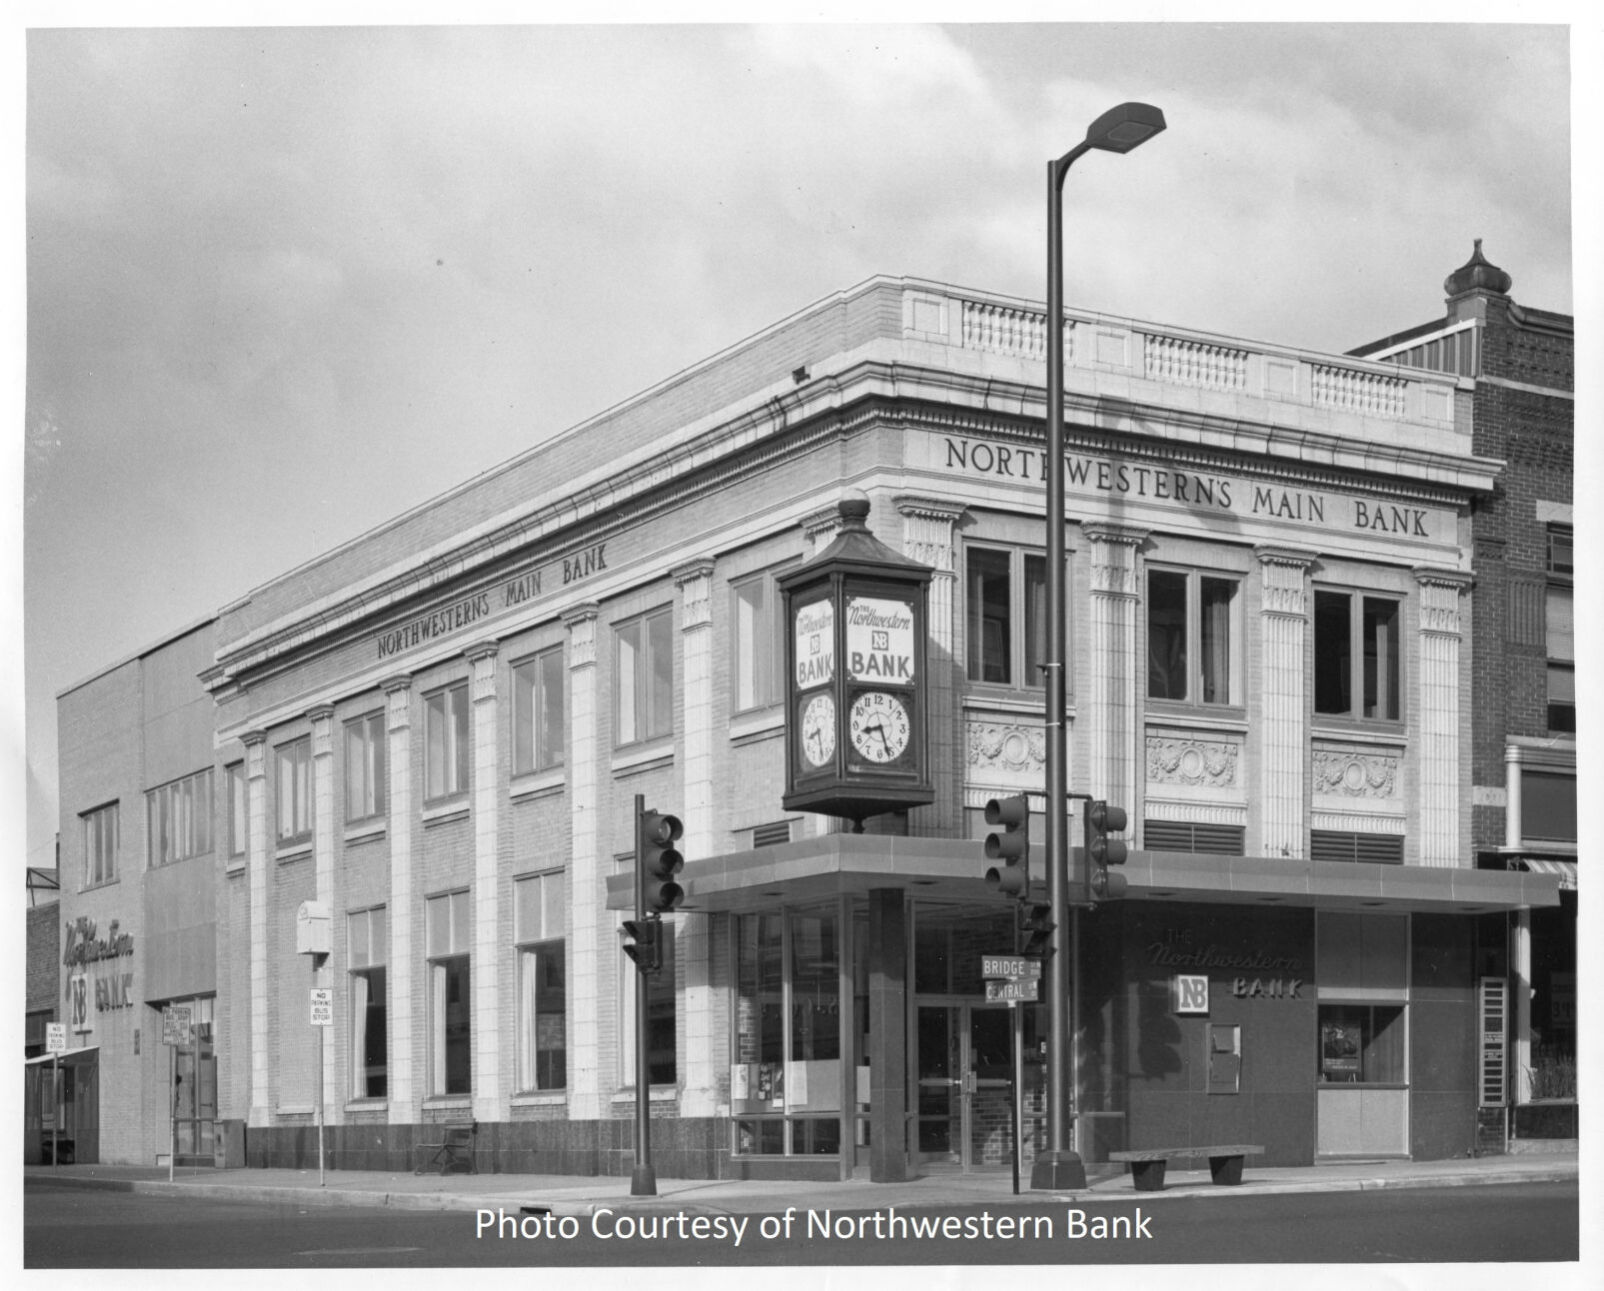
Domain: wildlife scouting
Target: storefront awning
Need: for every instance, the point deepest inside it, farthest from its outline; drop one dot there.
(818, 869)
(1564, 871)
(89, 1050)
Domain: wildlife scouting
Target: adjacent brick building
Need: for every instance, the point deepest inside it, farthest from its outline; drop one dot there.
(1516, 365)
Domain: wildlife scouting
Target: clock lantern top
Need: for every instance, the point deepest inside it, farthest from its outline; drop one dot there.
(856, 676)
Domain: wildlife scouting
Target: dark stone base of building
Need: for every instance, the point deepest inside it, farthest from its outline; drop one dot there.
(681, 1149)
(1547, 1121)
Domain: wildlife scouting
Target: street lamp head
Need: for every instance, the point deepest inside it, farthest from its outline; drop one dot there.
(1125, 127)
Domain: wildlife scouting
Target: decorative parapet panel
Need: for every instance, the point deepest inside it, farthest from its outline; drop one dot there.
(1357, 781)
(1006, 329)
(1179, 760)
(1181, 360)
(1001, 751)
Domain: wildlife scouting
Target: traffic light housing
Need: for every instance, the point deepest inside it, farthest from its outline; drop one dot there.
(1103, 851)
(1036, 923)
(1012, 846)
(659, 861)
(646, 944)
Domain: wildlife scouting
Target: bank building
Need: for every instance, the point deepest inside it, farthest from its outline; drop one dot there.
(795, 597)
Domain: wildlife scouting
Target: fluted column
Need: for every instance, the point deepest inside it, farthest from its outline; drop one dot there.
(928, 527)
(692, 936)
(1283, 701)
(487, 1102)
(323, 819)
(587, 882)
(1111, 670)
(258, 858)
(1438, 717)
(399, 971)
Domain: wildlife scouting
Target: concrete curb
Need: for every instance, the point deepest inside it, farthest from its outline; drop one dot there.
(584, 1207)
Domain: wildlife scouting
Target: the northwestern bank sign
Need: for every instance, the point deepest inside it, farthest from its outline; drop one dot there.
(1202, 491)
(462, 613)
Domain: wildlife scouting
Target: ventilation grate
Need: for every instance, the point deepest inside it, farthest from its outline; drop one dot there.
(1192, 836)
(771, 835)
(1344, 845)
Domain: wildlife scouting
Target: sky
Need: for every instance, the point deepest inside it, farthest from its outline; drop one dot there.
(283, 283)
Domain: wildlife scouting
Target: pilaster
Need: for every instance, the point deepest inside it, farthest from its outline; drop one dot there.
(487, 1100)
(1283, 701)
(399, 971)
(587, 881)
(1437, 756)
(1111, 671)
(693, 934)
(323, 818)
(258, 859)
(929, 526)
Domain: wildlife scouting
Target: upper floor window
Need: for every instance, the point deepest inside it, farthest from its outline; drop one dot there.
(448, 942)
(367, 937)
(179, 816)
(238, 820)
(645, 673)
(445, 723)
(1005, 615)
(294, 790)
(100, 845)
(1191, 629)
(364, 767)
(1561, 631)
(1356, 656)
(537, 712)
(757, 641)
(539, 919)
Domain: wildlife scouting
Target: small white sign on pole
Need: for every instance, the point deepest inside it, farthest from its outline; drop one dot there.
(55, 1037)
(322, 1006)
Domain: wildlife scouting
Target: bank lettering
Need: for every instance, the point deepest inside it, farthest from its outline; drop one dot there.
(1198, 491)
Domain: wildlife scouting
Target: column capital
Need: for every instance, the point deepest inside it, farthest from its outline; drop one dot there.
(691, 570)
(1436, 576)
(577, 615)
(481, 650)
(320, 713)
(927, 508)
(253, 739)
(1114, 534)
(694, 579)
(580, 621)
(819, 526)
(1285, 557)
(399, 682)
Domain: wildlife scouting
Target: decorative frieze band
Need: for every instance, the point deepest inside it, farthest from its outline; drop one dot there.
(1193, 812)
(1357, 822)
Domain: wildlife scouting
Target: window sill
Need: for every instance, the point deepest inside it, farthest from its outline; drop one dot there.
(447, 1102)
(757, 721)
(235, 865)
(294, 1109)
(293, 852)
(536, 783)
(363, 831)
(367, 1105)
(1214, 717)
(1005, 699)
(1365, 731)
(442, 812)
(642, 757)
(104, 883)
(542, 1098)
(659, 1094)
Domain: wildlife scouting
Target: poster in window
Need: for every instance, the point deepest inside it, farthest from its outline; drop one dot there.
(1340, 1048)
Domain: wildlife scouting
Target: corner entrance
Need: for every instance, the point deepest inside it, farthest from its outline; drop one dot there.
(964, 1058)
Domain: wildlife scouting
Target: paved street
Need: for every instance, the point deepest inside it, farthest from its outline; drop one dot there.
(76, 1228)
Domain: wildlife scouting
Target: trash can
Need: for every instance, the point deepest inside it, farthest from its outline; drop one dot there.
(229, 1153)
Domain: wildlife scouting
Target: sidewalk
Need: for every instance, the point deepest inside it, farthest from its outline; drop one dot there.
(583, 1194)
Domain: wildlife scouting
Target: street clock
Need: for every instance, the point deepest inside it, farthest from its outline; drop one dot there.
(856, 681)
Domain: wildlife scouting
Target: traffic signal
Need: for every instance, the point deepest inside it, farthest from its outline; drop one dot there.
(1036, 922)
(646, 947)
(1103, 851)
(659, 861)
(1012, 846)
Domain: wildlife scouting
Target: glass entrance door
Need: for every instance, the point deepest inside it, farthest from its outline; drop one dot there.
(962, 1115)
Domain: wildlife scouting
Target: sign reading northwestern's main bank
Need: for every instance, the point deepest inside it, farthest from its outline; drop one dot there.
(519, 590)
(1224, 494)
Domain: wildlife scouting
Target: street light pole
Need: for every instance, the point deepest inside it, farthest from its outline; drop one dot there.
(1060, 1167)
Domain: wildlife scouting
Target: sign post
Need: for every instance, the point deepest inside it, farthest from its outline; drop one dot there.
(55, 1046)
(1013, 978)
(322, 1016)
(175, 1031)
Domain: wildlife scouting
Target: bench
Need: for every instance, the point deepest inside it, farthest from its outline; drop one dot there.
(454, 1148)
(1147, 1164)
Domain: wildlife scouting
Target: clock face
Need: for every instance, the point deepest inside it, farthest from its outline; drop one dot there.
(880, 726)
(818, 730)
